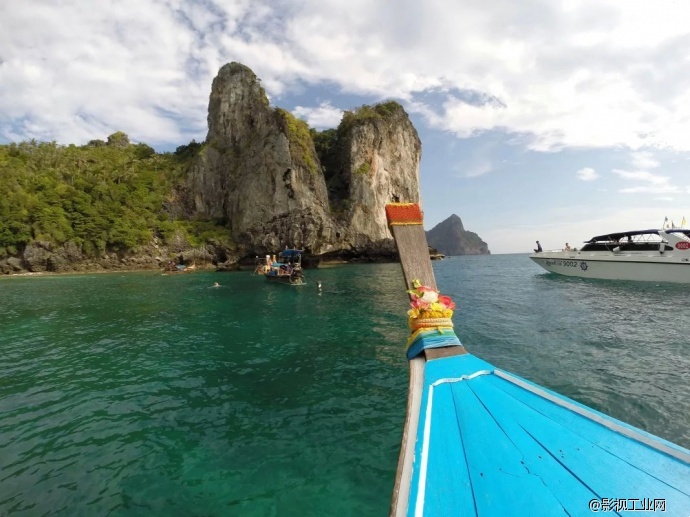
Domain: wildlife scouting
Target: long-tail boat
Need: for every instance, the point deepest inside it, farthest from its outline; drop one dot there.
(481, 441)
(288, 270)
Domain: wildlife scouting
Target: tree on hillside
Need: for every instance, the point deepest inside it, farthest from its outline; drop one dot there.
(97, 196)
(118, 139)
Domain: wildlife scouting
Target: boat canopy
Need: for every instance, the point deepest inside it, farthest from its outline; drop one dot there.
(288, 253)
(619, 235)
(684, 231)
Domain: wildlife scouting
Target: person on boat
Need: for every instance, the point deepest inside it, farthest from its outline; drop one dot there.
(538, 250)
(567, 247)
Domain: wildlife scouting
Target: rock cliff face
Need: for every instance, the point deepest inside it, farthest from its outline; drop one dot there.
(260, 171)
(378, 155)
(46, 257)
(450, 238)
(259, 164)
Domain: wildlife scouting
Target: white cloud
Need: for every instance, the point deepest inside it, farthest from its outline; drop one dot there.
(74, 72)
(652, 183)
(642, 176)
(587, 174)
(650, 189)
(323, 116)
(478, 160)
(574, 73)
(479, 169)
(644, 160)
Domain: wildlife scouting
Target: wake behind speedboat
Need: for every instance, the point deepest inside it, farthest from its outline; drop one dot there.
(648, 255)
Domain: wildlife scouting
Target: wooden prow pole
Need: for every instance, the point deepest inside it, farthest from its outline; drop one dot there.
(406, 224)
(414, 255)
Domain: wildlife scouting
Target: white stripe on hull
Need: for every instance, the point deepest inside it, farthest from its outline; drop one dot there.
(629, 268)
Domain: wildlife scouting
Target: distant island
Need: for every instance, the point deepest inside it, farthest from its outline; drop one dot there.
(450, 238)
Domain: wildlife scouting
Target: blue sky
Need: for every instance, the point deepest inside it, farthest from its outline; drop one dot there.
(541, 119)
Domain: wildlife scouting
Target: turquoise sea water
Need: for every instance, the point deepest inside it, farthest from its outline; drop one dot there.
(143, 394)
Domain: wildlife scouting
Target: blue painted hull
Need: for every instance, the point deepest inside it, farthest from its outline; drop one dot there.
(481, 441)
(490, 443)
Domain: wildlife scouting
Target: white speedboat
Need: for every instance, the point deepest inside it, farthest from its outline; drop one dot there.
(649, 255)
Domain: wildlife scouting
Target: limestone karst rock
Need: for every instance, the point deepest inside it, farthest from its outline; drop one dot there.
(260, 171)
(375, 161)
(450, 238)
(258, 162)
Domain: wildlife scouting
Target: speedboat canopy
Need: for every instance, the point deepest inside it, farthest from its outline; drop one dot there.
(613, 237)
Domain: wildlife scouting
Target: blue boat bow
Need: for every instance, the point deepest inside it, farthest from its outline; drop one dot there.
(482, 441)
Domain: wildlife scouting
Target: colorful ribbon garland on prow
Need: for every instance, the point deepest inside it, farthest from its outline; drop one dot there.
(430, 320)
(403, 214)
(431, 312)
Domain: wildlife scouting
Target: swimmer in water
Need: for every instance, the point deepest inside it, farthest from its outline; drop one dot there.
(216, 284)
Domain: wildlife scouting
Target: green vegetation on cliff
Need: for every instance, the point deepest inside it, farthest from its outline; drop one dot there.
(301, 144)
(366, 112)
(101, 196)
